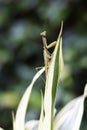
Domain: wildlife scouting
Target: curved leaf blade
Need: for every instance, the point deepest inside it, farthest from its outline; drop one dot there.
(69, 118)
(19, 122)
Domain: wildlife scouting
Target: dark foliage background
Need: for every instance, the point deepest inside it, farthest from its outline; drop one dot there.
(21, 22)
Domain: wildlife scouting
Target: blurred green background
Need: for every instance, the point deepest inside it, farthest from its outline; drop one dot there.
(21, 22)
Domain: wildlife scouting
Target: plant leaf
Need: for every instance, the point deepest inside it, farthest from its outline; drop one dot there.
(1, 128)
(19, 123)
(41, 115)
(53, 76)
(32, 125)
(69, 118)
(35, 124)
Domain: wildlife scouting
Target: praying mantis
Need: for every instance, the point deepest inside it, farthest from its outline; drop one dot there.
(46, 54)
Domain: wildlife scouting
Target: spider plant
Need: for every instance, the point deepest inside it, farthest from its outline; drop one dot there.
(69, 118)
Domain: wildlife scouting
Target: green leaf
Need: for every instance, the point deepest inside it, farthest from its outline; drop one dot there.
(53, 76)
(19, 122)
(69, 118)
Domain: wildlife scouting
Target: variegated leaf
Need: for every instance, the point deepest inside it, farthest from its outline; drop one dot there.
(69, 118)
(19, 122)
